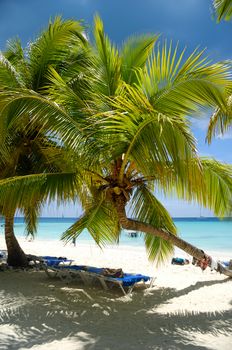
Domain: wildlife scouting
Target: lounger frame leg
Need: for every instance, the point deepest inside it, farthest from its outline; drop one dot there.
(85, 279)
(152, 282)
(130, 290)
(67, 278)
(103, 283)
(51, 273)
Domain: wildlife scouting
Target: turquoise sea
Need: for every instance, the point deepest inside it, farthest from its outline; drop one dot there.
(206, 233)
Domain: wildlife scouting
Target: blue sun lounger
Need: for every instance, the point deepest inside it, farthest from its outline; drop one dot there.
(89, 275)
(47, 260)
(128, 280)
(55, 261)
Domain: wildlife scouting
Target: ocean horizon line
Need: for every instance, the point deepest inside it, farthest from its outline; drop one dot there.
(173, 217)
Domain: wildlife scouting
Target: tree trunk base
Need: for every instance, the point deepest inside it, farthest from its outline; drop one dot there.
(19, 260)
(16, 256)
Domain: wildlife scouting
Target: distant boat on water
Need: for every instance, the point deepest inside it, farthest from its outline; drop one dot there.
(133, 234)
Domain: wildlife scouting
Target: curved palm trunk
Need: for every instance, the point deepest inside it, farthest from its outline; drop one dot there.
(16, 256)
(130, 224)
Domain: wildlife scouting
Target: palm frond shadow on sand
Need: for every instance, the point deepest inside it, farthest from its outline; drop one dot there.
(39, 313)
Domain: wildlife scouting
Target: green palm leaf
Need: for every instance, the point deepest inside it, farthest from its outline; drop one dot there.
(223, 9)
(43, 112)
(54, 46)
(9, 77)
(221, 120)
(100, 220)
(217, 186)
(64, 94)
(108, 62)
(24, 191)
(146, 208)
(220, 123)
(31, 218)
(177, 86)
(206, 182)
(149, 137)
(16, 55)
(134, 55)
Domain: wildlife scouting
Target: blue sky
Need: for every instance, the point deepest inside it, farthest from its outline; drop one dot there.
(189, 22)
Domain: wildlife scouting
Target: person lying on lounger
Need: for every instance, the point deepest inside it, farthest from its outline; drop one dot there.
(113, 272)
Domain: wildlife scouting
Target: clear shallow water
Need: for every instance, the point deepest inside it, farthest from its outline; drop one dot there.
(205, 233)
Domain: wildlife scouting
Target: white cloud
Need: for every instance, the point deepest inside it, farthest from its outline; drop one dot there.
(201, 123)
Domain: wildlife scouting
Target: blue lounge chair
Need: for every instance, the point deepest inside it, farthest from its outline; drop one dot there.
(54, 261)
(127, 280)
(89, 275)
(42, 262)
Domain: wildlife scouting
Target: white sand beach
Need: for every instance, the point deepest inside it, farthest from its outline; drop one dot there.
(185, 309)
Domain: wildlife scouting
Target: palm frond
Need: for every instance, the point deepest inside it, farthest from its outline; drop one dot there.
(181, 87)
(54, 119)
(100, 220)
(24, 191)
(54, 46)
(221, 120)
(14, 52)
(9, 77)
(63, 94)
(134, 55)
(149, 137)
(146, 208)
(217, 191)
(206, 182)
(31, 215)
(16, 55)
(108, 63)
(223, 9)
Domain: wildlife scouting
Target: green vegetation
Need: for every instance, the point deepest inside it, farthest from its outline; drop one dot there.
(116, 128)
(223, 9)
(27, 149)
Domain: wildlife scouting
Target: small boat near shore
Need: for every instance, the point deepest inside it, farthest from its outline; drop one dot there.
(132, 234)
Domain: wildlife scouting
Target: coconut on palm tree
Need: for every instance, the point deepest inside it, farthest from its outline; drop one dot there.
(129, 137)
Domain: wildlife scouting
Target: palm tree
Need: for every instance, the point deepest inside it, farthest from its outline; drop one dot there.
(25, 152)
(129, 136)
(223, 9)
(145, 143)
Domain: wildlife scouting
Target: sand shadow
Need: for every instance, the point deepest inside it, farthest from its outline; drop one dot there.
(43, 313)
